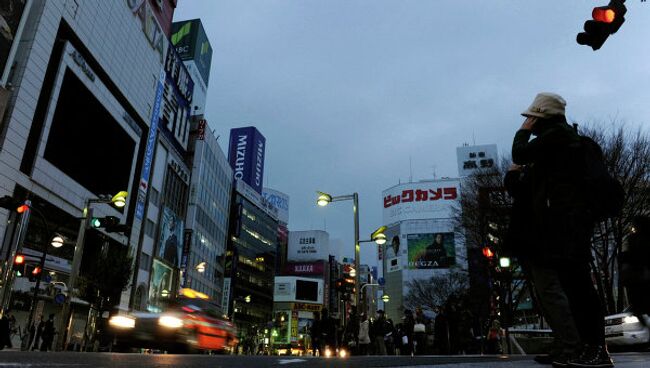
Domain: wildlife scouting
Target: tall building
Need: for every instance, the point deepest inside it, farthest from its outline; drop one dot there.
(163, 197)
(250, 261)
(76, 121)
(279, 202)
(302, 288)
(208, 213)
(420, 215)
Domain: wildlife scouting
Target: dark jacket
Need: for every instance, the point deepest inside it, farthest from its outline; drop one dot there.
(518, 241)
(561, 221)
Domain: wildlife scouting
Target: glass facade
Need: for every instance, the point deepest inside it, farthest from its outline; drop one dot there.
(251, 262)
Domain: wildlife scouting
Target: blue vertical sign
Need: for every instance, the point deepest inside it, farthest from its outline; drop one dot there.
(246, 156)
(151, 145)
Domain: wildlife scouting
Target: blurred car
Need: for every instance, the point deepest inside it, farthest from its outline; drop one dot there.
(187, 325)
(626, 329)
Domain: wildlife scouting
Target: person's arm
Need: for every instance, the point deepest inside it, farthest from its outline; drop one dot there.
(524, 150)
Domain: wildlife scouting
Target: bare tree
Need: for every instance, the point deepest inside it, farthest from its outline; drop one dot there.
(482, 218)
(431, 294)
(627, 156)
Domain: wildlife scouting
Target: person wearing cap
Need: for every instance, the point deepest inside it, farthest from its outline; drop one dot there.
(560, 228)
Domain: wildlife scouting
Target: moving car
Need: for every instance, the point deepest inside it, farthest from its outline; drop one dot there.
(626, 329)
(187, 325)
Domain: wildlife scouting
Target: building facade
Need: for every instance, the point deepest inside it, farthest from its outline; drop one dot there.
(208, 214)
(76, 122)
(250, 261)
(420, 216)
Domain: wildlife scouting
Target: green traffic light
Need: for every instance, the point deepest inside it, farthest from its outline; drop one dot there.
(95, 222)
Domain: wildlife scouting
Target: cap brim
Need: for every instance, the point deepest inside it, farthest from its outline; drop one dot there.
(529, 114)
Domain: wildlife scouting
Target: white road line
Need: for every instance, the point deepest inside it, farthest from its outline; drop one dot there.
(290, 361)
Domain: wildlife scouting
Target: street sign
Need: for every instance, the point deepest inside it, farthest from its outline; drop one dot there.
(381, 281)
(59, 298)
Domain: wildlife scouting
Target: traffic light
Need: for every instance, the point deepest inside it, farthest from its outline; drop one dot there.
(488, 253)
(339, 285)
(606, 21)
(19, 265)
(33, 272)
(13, 204)
(110, 224)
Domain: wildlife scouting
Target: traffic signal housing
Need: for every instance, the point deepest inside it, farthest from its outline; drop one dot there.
(110, 224)
(33, 272)
(606, 20)
(13, 204)
(19, 265)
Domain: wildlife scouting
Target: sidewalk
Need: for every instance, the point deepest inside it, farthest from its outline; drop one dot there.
(621, 360)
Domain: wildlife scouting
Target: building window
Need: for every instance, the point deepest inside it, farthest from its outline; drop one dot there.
(149, 228)
(154, 197)
(145, 261)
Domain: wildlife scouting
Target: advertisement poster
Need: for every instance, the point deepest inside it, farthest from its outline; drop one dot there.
(426, 251)
(170, 244)
(393, 264)
(161, 283)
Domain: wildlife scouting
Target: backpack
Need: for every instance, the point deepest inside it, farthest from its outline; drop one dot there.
(604, 193)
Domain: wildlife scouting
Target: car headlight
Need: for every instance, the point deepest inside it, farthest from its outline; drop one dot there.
(328, 353)
(122, 322)
(343, 353)
(170, 321)
(631, 319)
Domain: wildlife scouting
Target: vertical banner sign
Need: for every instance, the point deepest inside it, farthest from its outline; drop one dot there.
(294, 325)
(246, 156)
(151, 145)
(187, 241)
(225, 298)
(201, 132)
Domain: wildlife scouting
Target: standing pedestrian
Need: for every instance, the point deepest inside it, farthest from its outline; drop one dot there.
(315, 335)
(408, 323)
(420, 331)
(351, 333)
(5, 331)
(39, 332)
(377, 330)
(364, 334)
(48, 334)
(534, 260)
(441, 332)
(563, 220)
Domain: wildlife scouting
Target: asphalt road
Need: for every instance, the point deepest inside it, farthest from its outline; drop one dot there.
(97, 360)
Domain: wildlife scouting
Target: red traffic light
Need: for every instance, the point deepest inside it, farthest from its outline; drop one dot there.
(22, 208)
(603, 14)
(36, 271)
(488, 253)
(20, 259)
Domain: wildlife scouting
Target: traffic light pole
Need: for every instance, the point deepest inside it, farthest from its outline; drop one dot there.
(74, 274)
(41, 265)
(8, 274)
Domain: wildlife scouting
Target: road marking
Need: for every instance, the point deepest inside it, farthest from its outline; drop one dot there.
(27, 365)
(290, 361)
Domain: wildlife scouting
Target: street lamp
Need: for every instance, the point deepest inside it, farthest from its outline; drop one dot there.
(57, 241)
(200, 268)
(323, 200)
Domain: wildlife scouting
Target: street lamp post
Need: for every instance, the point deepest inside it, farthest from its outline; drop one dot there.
(323, 200)
(118, 200)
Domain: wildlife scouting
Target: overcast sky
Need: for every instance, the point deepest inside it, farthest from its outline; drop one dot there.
(346, 91)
